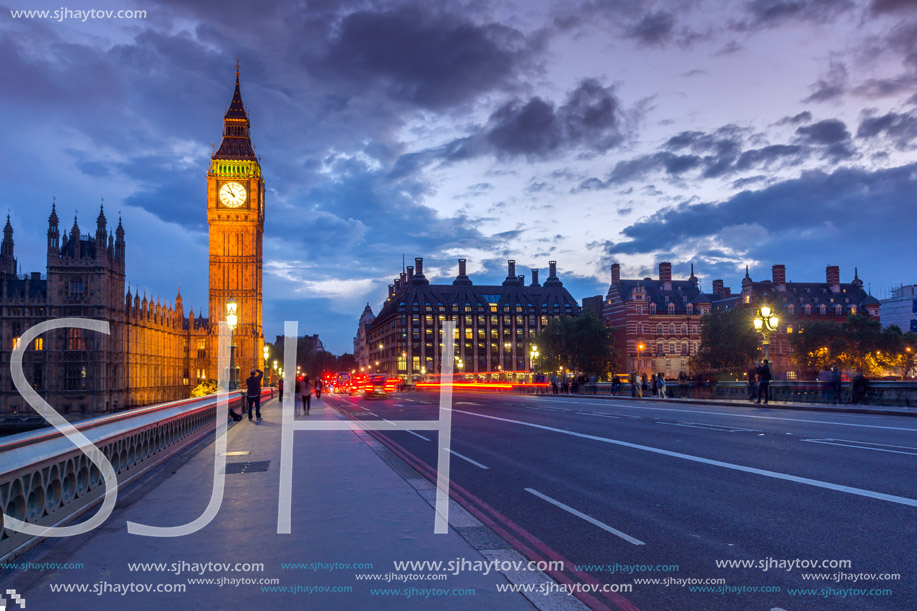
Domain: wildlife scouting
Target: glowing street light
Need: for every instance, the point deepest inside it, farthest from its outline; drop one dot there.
(765, 322)
(640, 348)
(232, 321)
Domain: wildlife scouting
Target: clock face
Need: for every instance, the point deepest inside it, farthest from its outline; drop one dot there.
(232, 194)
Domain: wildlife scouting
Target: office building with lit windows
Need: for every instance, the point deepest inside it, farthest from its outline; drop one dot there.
(495, 324)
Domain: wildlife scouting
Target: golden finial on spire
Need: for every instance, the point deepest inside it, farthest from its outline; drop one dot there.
(237, 67)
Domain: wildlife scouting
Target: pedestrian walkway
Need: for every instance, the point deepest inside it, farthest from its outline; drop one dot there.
(349, 507)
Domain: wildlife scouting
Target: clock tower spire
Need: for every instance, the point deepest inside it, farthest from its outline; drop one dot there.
(235, 215)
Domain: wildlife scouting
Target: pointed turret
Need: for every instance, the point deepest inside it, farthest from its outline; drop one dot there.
(236, 143)
(101, 224)
(7, 262)
(53, 234)
(119, 241)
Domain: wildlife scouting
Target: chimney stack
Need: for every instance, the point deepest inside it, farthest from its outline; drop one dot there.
(552, 269)
(779, 274)
(410, 275)
(511, 268)
(418, 266)
(535, 278)
(615, 273)
(665, 275)
(462, 277)
(718, 288)
(833, 277)
(391, 289)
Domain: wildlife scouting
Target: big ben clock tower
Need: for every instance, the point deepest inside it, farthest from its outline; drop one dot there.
(235, 214)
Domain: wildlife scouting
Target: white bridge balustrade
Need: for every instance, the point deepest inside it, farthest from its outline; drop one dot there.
(46, 480)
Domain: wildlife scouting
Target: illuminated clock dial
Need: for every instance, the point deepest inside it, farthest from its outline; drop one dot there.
(232, 194)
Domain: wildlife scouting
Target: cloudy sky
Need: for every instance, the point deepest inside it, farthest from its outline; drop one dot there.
(722, 134)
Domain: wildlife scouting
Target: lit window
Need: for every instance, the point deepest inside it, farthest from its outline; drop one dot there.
(39, 343)
(15, 343)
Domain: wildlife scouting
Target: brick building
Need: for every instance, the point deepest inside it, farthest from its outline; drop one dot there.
(797, 303)
(656, 322)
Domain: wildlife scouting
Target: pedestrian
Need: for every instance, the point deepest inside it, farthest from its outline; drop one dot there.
(615, 385)
(305, 391)
(752, 381)
(633, 383)
(254, 393)
(835, 382)
(858, 388)
(654, 388)
(764, 376)
(660, 381)
(280, 389)
(644, 386)
(318, 388)
(554, 383)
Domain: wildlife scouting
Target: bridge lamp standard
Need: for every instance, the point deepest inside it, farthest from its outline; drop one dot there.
(765, 323)
(232, 321)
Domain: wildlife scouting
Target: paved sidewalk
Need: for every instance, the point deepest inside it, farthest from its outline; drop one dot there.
(348, 507)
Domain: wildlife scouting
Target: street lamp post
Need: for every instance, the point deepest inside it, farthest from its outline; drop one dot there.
(267, 356)
(640, 348)
(765, 322)
(232, 320)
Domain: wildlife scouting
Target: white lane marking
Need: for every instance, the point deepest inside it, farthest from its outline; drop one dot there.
(599, 415)
(710, 427)
(364, 408)
(717, 463)
(869, 443)
(850, 445)
(418, 435)
(474, 462)
(467, 403)
(389, 421)
(589, 519)
(725, 413)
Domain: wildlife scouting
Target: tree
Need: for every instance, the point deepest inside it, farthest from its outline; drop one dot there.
(817, 346)
(582, 344)
(728, 342)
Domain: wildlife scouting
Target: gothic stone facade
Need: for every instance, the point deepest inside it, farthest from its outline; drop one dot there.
(147, 356)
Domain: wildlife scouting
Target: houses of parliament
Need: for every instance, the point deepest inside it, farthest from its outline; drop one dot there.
(155, 352)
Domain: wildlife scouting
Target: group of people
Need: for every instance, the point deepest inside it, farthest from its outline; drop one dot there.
(759, 378)
(644, 386)
(832, 391)
(303, 391)
(252, 404)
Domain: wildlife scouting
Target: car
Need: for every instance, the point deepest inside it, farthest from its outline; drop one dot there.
(378, 385)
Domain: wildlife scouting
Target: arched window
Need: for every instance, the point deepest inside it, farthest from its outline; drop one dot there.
(660, 348)
(659, 330)
(671, 308)
(652, 308)
(684, 328)
(684, 348)
(672, 347)
(672, 328)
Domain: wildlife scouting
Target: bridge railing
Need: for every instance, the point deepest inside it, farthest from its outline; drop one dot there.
(46, 480)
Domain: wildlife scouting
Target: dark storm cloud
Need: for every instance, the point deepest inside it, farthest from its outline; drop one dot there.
(654, 29)
(832, 85)
(828, 131)
(803, 117)
(435, 59)
(892, 6)
(899, 128)
(589, 118)
(803, 216)
(772, 13)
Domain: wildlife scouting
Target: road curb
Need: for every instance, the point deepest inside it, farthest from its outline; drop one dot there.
(806, 407)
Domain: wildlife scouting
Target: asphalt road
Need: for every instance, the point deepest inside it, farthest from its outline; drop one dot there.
(603, 482)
